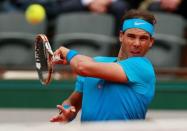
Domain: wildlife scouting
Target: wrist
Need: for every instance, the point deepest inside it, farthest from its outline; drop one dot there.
(70, 55)
(72, 110)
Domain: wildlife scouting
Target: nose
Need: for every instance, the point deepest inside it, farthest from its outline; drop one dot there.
(136, 43)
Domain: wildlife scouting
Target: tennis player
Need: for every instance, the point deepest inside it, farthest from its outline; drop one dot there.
(113, 88)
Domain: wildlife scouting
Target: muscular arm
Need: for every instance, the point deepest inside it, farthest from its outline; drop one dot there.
(86, 66)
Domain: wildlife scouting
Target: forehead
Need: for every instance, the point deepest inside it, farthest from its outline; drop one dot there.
(137, 31)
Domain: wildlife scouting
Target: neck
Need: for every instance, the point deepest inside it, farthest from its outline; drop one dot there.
(121, 55)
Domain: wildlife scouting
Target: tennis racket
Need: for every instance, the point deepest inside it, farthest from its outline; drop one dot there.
(44, 58)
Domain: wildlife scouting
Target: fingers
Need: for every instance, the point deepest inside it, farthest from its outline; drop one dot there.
(58, 57)
(54, 62)
(66, 114)
(58, 118)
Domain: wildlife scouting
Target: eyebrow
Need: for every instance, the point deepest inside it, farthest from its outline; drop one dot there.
(136, 34)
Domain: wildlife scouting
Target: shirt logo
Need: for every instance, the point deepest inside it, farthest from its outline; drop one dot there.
(138, 23)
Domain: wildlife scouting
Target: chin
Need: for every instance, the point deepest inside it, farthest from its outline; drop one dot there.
(136, 55)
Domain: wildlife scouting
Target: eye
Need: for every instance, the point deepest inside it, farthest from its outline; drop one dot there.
(131, 36)
(144, 38)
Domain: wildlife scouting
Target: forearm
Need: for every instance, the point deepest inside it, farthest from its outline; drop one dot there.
(74, 59)
(77, 63)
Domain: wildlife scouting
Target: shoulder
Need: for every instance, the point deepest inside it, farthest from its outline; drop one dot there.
(138, 68)
(137, 60)
(141, 63)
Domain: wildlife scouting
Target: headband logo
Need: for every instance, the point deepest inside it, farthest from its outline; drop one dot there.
(138, 23)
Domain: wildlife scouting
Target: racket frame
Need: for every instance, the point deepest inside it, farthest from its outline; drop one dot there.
(49, 53)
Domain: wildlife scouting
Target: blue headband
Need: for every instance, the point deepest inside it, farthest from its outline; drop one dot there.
(138, 23)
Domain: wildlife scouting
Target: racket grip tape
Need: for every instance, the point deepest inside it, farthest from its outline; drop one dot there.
(70, 55)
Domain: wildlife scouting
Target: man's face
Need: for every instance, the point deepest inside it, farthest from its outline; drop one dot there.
(135, 42)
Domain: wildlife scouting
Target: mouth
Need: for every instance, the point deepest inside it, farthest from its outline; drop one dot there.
(135, 52)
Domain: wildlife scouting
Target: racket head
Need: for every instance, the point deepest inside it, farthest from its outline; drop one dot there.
(43, 59)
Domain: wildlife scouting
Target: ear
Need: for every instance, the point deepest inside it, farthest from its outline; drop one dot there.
(151, 42)
(120, 36)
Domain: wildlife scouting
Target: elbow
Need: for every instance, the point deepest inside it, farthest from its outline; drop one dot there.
(82, 69)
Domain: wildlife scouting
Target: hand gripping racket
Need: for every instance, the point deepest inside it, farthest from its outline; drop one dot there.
(44, 57)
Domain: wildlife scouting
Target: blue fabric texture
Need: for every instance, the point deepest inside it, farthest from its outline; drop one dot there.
(104, 100)
(138, 23)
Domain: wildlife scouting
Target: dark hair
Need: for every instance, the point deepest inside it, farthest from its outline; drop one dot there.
(141, 14)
